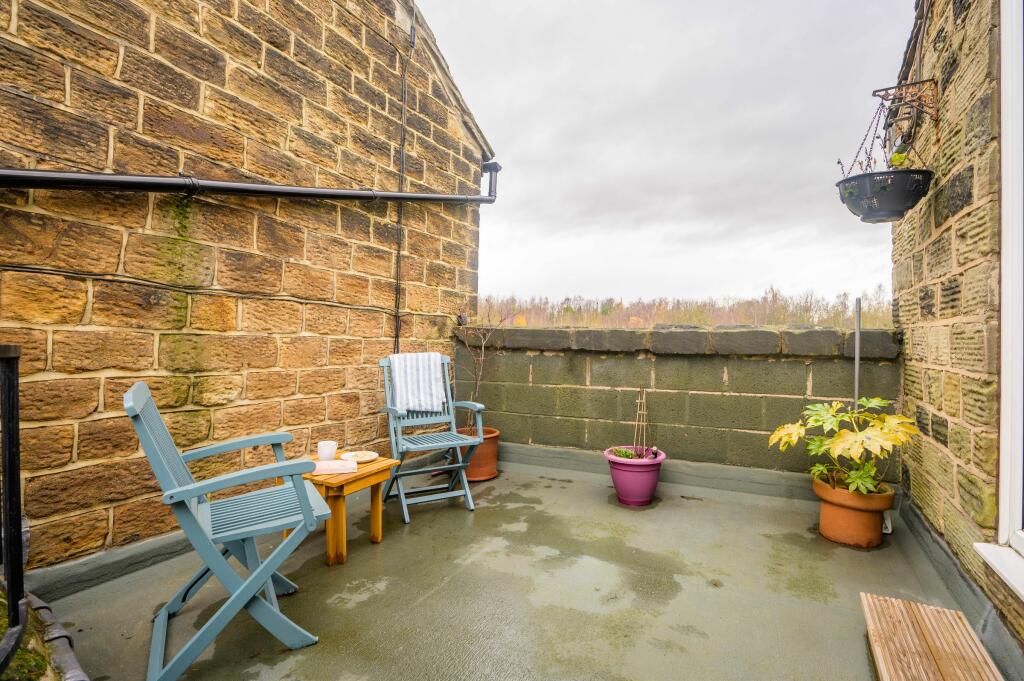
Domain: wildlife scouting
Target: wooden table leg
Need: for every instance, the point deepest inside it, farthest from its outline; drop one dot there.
(376, 513)
(337, 546)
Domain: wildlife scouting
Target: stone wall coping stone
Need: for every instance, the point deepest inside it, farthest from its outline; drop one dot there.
(732, 340)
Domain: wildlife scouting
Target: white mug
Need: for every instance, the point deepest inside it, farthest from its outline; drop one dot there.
(326, 450)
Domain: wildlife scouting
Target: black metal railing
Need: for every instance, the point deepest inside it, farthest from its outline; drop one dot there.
(10, 506)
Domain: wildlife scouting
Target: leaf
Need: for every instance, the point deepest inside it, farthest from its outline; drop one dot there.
(787, 435)
(873, 402)
(823, 414)
(847, 443)
(816, 411)
(853, 444)
(817, 445)
(863, 479)
(898, 160)
(898, 427)
(877, 441)
(819, 470)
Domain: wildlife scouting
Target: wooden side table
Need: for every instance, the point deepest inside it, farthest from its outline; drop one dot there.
(335, 487)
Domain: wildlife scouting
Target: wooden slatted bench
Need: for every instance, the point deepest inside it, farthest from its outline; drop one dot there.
(916, 642)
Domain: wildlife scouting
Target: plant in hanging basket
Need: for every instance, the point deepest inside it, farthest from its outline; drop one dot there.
(884, 195)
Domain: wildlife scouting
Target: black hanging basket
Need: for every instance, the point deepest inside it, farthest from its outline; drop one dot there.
(884, 196)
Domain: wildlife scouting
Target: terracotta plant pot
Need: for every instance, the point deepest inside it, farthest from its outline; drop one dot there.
(634, 479)
(851, 518)
(484, 463)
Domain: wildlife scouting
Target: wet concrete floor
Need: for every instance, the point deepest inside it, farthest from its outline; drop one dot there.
(549, 579)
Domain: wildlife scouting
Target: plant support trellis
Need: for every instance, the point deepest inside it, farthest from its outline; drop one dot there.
(640, 426)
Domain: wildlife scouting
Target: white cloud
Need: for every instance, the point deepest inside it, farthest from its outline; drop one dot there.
(693, 143)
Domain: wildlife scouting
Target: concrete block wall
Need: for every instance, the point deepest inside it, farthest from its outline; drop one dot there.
(243, 314)
(715, 394)
(946, 281)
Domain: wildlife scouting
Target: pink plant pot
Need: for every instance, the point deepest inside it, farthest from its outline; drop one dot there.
(635, 479)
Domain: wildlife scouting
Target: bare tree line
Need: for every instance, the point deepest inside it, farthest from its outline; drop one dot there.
(772, 308)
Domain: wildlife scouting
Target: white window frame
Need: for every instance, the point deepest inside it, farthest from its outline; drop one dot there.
(1007, 557)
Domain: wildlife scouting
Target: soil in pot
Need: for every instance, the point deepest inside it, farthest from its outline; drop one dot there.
(850, 518)
(484, 463)
(634, 479)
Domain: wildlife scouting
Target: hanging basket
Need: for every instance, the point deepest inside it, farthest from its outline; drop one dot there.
(887, 195)
(884, 196)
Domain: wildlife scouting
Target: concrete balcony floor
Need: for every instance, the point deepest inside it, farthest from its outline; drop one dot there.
(549, 579)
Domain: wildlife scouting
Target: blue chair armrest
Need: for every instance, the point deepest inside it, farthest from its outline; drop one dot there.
(270, 470)
(391, 411)
(478, 413)
(465, 404)
(274, 439)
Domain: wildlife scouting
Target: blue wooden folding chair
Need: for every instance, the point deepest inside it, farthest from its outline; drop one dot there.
(227, 527)
(449, 441)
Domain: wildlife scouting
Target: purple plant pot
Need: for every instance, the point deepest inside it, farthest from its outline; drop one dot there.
(635, 479)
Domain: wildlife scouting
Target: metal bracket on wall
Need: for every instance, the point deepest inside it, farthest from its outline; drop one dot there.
(921, 95)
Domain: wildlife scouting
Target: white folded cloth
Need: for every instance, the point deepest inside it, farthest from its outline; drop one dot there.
(334, 467)
(417, 381)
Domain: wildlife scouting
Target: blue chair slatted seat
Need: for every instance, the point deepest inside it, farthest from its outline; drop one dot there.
(225, 528)
(450, 441)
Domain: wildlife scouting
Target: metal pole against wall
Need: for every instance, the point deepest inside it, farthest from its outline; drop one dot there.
(856, 351)
(14, 570)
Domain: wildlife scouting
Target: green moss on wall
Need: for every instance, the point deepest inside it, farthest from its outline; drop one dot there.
(180, 212)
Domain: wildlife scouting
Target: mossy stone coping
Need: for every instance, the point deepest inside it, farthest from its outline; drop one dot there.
(695, 340)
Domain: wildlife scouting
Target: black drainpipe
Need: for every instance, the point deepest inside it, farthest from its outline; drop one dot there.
(17, 178)
(14, 178)
(399, 226)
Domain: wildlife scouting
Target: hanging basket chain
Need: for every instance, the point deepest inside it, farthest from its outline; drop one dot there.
(869, 161)
(865, 148)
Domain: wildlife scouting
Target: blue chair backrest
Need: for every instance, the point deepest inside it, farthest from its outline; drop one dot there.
(420, 418)
(164, 457)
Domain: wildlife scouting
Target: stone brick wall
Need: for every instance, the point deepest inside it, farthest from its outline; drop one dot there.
(946, 286)
(245, 314)
(715, 394)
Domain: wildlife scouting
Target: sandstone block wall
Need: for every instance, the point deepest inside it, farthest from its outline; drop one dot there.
(243, 314)
(946, 285)
(715, 395)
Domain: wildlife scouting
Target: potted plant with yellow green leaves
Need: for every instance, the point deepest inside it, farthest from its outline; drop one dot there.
(852, 443)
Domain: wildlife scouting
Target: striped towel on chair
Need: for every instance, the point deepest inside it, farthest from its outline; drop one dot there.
(417, 381)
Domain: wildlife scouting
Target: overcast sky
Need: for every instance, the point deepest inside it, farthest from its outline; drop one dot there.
(673, 147)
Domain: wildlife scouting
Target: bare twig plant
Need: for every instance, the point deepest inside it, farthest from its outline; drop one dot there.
(476, 339)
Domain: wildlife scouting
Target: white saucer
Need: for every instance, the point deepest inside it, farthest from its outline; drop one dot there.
(360, 457)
